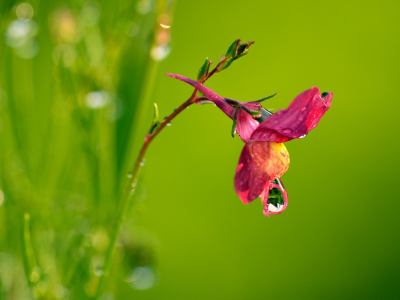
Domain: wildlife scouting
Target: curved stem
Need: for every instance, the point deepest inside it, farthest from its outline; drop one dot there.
(124, 205)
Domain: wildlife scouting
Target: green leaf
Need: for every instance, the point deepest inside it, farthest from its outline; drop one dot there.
(204, 70)
(266, 98)
(232, 50)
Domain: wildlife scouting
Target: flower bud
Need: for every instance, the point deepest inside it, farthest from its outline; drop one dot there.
(234, 51)
(204, 70)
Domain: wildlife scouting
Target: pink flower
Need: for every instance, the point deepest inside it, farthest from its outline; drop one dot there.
(264, 158)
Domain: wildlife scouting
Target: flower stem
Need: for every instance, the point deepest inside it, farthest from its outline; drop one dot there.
(124, 205)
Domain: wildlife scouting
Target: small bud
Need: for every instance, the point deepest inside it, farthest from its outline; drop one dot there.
(155, 123)
(234, 51)
(244, 47)
(203, 72)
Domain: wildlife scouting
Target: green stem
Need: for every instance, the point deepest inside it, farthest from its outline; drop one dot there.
(31, 272)
(131, 189)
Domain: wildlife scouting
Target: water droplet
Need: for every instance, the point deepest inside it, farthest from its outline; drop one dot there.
(160, 52)
(169, 124)
(98, 271)
(303, 136)
(142, 163)
(143, 7)
(273, 208)
(130, 175)
(90, 12)
(287, 130)
(142, 278)
(97, 99)
(276, 199)
(20, 36)
(24, 12)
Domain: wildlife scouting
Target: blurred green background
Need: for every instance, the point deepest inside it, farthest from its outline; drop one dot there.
(75, 104)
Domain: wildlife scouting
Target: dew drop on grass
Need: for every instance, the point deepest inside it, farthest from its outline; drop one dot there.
(142, 278)
(130, 175)
(98, 271)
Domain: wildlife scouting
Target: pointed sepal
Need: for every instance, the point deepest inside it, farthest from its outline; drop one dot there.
(235, 118)
(204, 71)
(266, 98)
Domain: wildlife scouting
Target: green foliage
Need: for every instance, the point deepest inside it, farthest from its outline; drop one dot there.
(71, 83)
(204, 71)
(235, 51)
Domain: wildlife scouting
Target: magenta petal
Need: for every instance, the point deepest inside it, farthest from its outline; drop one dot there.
(211, 95)
(249, 183)
(245, 125)
(259, 164)
(302, 115)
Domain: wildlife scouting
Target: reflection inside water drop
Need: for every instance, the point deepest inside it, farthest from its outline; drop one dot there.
(276, 200)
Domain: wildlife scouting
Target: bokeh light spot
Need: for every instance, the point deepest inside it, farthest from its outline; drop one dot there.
(97, 99)
(1, 197)
(142, 278)
(159, 53)
(143, 7)
(91, 12)
(24, 12)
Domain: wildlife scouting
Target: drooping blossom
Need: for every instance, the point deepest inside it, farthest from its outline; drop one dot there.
(264, 158)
